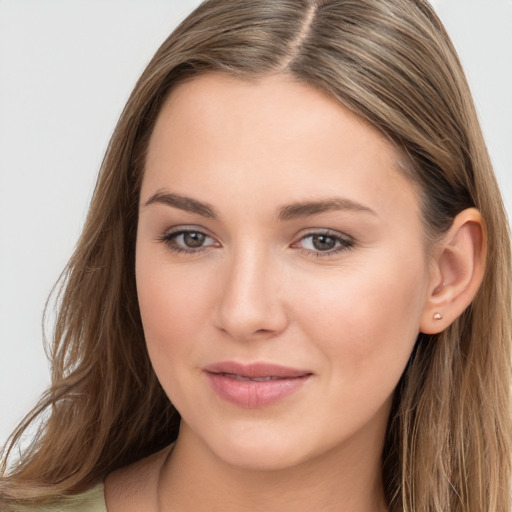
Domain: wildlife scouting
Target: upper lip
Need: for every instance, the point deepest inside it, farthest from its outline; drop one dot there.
(254, 370)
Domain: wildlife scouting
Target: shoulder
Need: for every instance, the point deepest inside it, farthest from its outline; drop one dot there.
(92, 500)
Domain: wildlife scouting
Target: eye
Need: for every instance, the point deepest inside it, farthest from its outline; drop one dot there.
(324, 243)
(188, 241)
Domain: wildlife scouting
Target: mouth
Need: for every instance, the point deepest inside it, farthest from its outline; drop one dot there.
(252, 379)
(254, 385)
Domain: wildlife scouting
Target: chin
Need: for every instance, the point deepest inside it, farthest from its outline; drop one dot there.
(260, 449)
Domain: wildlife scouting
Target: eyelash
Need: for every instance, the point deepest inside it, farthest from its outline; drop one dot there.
(344, 243)
(169, 239)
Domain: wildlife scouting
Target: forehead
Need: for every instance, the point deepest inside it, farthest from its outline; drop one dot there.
(215, 101)
(272, 138)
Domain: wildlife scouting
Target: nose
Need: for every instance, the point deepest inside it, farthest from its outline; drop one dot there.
(250, 305)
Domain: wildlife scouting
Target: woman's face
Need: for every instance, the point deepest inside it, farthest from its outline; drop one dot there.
(281, 270)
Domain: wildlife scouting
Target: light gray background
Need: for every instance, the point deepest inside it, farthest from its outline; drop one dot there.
(66, 70)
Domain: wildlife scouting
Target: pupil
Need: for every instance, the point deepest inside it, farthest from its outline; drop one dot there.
(193, 239)
(323, 242)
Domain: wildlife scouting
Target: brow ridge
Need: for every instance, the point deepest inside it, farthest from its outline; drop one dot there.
(183, 203)
(288, 212)
(307, 208)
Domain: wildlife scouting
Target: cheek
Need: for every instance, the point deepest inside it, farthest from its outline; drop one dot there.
(176, 301)
(162, 307)
(169, 311)
(171, 303)
(366, 320)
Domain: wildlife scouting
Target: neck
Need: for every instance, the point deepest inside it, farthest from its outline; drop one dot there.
(194, 478)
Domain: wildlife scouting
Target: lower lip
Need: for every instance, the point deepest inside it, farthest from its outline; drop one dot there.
(252, 394)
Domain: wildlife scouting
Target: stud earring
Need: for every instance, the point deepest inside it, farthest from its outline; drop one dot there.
(438, 316)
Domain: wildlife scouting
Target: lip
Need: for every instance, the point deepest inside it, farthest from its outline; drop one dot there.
(254, 385)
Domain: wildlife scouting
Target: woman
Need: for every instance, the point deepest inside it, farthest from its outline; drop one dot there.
(292, 290)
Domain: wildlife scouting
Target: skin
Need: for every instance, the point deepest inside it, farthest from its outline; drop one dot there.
(258, 289)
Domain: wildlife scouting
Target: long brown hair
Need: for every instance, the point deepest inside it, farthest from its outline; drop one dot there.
(391, 62)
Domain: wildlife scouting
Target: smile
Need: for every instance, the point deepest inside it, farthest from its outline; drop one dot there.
(254, 385)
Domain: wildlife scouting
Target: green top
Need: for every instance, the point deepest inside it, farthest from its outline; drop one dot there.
(92, 500)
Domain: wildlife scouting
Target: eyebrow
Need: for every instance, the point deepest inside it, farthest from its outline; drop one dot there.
(288, 212)
(183, 203)
(305, 209)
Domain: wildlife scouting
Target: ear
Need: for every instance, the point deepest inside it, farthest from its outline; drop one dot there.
(458, 264)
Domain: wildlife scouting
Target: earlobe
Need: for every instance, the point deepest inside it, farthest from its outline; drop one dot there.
(457, 271)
